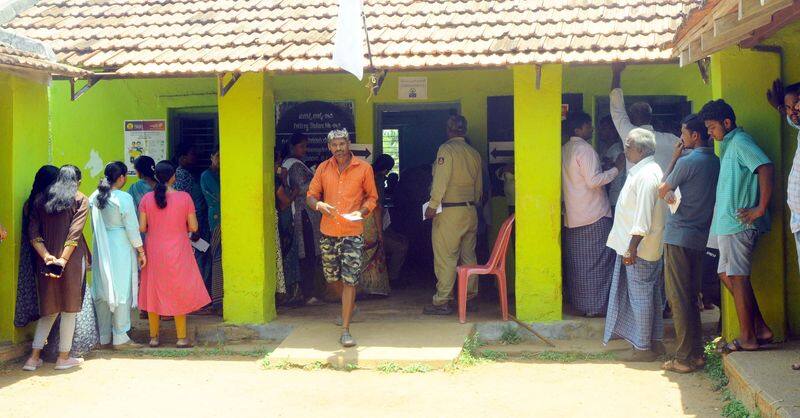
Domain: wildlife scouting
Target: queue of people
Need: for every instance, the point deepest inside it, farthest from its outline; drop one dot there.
(141, 257)
(678, 203)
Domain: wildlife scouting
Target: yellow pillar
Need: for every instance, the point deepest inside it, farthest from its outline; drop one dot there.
(741, 77)
(537, 155)
(23, 149)
(247, 140)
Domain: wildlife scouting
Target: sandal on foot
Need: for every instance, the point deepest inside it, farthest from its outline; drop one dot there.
(154, 342)
(347, 340)
(736, 345)
(187, 344)
(677, 366)
(796, 366)
(68, 363)
(31, 366)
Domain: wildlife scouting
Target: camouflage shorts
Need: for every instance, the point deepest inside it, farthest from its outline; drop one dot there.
(341, 258)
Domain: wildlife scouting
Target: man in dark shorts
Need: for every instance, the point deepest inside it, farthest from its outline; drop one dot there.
(343, 190)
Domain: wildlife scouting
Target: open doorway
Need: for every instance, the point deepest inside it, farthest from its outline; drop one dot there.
(411, 135)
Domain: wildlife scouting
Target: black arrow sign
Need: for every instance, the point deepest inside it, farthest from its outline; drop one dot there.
(362, 153)
(502, 153)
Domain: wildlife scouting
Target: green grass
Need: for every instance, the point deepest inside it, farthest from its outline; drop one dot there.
(411, 368)
(493, 355)
(570, 356)
(350, 367)
(317, 365)
(510, 336)
(198, 352)
(714, 370)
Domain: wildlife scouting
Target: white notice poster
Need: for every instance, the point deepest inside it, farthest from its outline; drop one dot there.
(145, 137)
(412, 88)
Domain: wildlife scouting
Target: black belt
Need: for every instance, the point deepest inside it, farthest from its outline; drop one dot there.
(452, 205)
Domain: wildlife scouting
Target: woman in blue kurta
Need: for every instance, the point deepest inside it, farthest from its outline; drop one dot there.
(118, 254)
(145, 169)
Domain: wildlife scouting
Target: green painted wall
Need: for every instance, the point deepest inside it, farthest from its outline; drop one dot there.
(94, 121)
(788, 39)
(23, 144)
(595, 80)
(741, 77)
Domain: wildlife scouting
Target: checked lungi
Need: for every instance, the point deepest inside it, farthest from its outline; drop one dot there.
(635, 305)
(588, 266)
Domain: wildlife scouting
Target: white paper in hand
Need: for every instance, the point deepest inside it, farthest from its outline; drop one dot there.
(673, 207)
(353, 217)
(201, 245)
(425, 209)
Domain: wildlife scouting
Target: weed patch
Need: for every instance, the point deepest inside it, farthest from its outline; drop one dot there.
(510, 336)
(715, 371)
(570, 357)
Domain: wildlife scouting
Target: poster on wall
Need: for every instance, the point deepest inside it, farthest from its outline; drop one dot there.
(412, 88)
(314, 119)
(145, 137)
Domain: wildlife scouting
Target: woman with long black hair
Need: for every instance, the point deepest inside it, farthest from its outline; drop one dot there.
(146, 171)
(26, 309)
(171, 282)
(118, 255)
(56, 231)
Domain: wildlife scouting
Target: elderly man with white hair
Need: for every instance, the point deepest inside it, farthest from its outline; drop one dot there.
(635, 301)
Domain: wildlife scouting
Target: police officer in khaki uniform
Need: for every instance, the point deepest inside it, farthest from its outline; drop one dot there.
(457, 186)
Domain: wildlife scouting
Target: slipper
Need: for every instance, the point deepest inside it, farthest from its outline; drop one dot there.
(32, 366)
(796, 366)
(677, 367)
(154, 342)
(735, 345)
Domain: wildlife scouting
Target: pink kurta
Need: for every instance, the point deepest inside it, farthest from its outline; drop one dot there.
(171, 282)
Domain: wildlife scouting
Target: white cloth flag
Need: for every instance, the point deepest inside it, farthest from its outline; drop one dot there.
(348, 50)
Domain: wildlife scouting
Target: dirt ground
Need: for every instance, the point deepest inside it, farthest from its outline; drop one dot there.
(226, 386)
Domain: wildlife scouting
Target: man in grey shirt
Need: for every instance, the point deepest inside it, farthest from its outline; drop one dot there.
(693, 177)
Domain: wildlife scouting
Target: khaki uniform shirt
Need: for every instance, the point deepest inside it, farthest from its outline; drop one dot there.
(456, 174)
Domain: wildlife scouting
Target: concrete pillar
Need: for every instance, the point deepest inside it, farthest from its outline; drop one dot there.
(537, 156)
(247, 140)
(23, 149)
(741, 77)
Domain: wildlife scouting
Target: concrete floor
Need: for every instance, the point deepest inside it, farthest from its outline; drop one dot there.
(766, 380)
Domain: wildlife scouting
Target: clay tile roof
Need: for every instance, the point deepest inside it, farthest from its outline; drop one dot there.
(183, 37)
(16, 59)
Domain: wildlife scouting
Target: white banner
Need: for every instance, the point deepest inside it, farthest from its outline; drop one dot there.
(348, 50)
(412, 88)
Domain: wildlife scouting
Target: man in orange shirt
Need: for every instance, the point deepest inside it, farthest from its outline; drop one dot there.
(343, 190)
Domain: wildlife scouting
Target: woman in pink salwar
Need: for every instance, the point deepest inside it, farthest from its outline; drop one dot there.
(171, 282)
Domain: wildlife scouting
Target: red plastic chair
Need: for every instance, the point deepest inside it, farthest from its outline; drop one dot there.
(496, 266)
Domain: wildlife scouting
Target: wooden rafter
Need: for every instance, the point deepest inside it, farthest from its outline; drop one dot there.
(732, 22)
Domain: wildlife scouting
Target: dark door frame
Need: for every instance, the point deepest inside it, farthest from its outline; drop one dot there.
(377, 138)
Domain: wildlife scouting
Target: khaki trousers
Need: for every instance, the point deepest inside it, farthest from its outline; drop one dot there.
(683, 273)
(454, 237)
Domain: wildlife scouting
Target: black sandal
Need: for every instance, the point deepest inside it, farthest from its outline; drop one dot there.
(736, 345)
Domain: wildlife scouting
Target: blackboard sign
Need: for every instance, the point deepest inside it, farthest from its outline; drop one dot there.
(313, 119)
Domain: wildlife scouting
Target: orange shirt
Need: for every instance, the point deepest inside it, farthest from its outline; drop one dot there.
(348, 191)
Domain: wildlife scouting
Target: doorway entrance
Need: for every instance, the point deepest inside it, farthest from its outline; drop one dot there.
(411, 134)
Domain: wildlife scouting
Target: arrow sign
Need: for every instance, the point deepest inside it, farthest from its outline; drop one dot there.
(363, 151)
(501, 152)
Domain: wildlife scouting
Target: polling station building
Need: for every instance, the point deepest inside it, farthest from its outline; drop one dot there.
(245, 74)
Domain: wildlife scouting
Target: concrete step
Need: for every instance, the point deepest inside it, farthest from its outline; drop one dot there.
(434, 344)
(764, 379)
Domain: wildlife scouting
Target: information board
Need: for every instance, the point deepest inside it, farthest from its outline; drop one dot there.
(145, 137)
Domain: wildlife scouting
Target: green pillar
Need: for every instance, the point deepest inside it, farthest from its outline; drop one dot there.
(537, 156)
(247, 140)
(741, 77)
(23, 149)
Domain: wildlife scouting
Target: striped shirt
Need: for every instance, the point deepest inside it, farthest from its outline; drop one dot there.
(737, 187)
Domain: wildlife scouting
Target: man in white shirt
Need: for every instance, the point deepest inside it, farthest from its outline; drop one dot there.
(635, 302)
(639, 116)
(588, 218)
